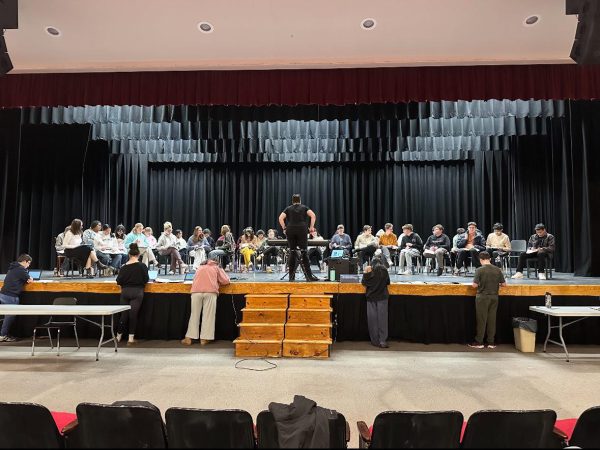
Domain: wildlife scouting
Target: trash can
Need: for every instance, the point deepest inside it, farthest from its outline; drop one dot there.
(524, 330)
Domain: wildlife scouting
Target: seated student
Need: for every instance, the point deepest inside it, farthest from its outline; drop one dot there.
(197, 247)
(167, 245)
(90, 235)
(437, 246)
(366, 244)
(152, 242)
(16, 277)
(224, 247)
(497, 244)
(248, 245)
(181, 244)
(137, 235)
(341, 241)
(471, 244)
(388, 243)
(60, 250)
(316, 254)
(268, 253)
(455, 250)
(541, 247)
(410, 245)
(208, 235)
(75, 249)
(105, 242)
(120, 235)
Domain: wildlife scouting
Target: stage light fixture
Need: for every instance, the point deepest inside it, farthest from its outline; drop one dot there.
(368, 24)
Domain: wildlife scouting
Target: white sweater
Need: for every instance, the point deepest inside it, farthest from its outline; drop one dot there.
(166, 241)
(71, 240)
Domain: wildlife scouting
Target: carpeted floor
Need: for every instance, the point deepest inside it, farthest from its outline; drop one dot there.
(358, 380)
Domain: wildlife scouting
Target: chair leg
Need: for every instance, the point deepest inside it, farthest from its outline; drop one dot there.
(50, 338)
(76, 337)
(58, 342)
(33, 343)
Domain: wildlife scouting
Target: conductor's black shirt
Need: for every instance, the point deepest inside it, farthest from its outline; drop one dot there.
(296, 215)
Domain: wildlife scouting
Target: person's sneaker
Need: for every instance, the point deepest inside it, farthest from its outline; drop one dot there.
(517, 275)
(407, 272)
(456, 272)
(541, 276)
(384, 345)
(119, 337)
(7, 339)
(171, 272)
(475, 344)
(269, 270)
(492, 346)
(204, 341)
(440, 271)
(186, 341)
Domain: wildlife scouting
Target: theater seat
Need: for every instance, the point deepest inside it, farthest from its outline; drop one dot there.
(408, 429)
(586, 433)
(510, 429)
(267, 436)
(202, 428)
(28, 425)
(120, 426)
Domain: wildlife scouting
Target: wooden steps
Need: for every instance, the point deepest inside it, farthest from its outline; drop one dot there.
(295, 326)
(263, 326)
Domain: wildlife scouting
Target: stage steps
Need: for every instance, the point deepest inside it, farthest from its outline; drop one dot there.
(295, 326)
(263, 326)
(308, 326)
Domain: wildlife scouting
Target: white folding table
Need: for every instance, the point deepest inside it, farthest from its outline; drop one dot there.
(583, 312)
(72, 310)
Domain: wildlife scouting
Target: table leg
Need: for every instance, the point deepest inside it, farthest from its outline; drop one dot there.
(101, 338)
(112, 331)
(560, 334)
(548, 334)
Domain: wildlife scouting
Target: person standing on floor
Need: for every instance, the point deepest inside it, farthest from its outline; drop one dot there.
(376, 279)
(205, 289)
(16, 277)
(132, 278)
(487, 281)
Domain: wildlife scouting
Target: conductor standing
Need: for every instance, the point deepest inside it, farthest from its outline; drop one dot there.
(300, 220)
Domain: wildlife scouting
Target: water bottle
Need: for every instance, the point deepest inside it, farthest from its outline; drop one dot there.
(332, 275)
(548, 298)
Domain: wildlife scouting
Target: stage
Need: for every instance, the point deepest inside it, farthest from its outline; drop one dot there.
(422, 308)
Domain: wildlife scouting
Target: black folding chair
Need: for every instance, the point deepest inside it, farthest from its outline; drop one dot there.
(267, 436)
(510, 429)
(28, 425)
(57, 325)
(120, 426)
(203, 428)
(408, 429)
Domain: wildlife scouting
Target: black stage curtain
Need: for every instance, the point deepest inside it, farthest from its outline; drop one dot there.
(428, 320)
(550, 177)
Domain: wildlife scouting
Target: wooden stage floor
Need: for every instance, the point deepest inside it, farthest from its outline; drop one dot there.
(258, 282)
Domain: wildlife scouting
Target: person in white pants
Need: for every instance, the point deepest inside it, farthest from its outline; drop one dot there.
(205, 289)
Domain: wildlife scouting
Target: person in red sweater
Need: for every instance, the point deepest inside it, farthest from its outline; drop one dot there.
(205, 289)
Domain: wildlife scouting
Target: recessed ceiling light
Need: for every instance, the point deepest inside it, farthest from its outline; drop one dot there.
(205, 27)
(531, 20)
(368, 24)
(53, 31)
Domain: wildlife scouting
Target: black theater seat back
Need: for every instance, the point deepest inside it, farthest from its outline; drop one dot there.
(28, 425)
(203, 428)
(586, 433)
(408, 429)
(510, 429)
(120, 426)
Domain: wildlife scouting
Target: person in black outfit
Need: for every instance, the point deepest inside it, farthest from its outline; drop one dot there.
(296, 231)
(16, 278)
(132, 278)
(376, 279)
